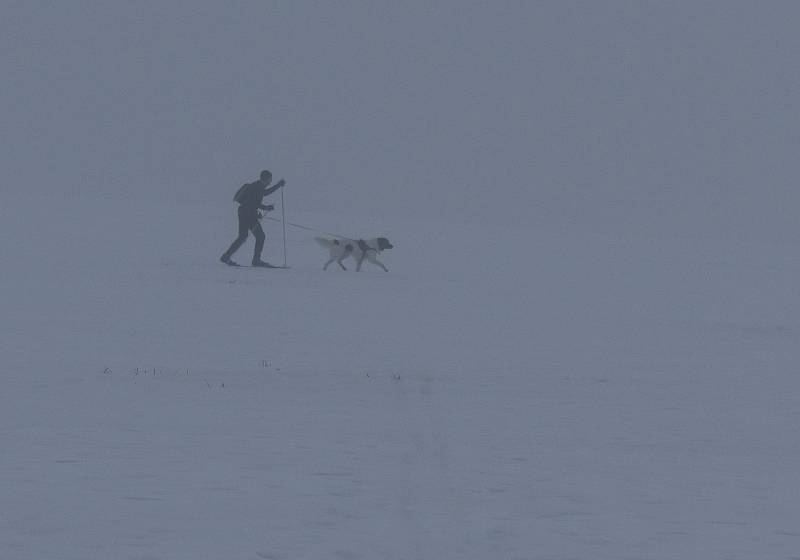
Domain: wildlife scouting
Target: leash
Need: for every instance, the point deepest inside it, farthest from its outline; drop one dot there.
(300, 226)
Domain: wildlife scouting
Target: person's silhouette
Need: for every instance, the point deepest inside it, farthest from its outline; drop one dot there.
(250, 197)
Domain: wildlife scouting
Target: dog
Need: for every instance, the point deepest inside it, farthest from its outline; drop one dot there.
(361, 250)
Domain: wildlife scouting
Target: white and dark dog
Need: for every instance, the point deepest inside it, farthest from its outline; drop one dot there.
(361, 250)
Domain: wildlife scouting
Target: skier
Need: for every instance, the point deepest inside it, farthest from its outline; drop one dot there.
(250, 197)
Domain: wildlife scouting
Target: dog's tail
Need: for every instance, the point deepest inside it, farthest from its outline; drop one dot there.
(327, 243)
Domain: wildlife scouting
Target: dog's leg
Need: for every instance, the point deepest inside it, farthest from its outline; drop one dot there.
(340, 262)
(328, 263)
(373, 259)
(361, 261)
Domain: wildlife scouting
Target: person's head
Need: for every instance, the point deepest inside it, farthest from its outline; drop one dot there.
(266, 177)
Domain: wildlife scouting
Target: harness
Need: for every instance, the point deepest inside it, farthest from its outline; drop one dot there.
(364, 250)
(364, 247)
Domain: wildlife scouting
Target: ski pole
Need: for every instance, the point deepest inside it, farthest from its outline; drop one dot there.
(283, 219)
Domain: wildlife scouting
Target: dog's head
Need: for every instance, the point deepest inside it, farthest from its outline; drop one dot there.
(384, 244)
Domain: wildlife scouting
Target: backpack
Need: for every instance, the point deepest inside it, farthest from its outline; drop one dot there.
(241, 193)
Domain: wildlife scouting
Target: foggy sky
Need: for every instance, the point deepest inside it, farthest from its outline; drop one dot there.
(671, 117)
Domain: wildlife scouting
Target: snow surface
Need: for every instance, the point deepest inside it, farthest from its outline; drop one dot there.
(508, 394)
(587, 343)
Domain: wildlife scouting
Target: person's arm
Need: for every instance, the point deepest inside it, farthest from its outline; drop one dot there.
(274, 188)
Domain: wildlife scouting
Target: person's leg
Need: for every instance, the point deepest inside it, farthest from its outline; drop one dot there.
(258, 232)
(244, 227)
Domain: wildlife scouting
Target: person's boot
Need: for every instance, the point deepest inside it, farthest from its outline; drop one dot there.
(260, 263)
(227, 260)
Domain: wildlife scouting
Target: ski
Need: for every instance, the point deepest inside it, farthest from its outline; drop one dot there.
(237, 265)
(270, 266)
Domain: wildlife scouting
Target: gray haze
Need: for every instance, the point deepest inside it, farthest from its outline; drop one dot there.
(586, 345)
(665, 117)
